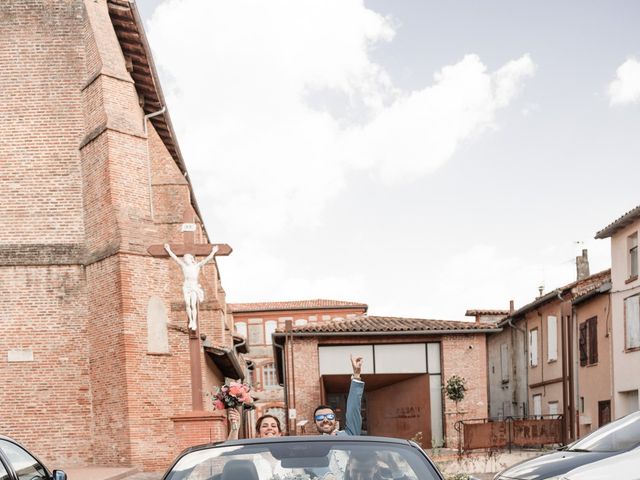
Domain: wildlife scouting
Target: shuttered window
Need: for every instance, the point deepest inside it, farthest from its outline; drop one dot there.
(588, 342)
(504, 363)
(583, 344)
(593, 340)
(632, 321)
(533, 347)
(552, 338)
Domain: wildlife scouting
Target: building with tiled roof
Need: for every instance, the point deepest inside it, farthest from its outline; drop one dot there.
(531, 366)
(624, 322)
(295, 305)
(626, 220)
(374, 324)
(412, 355)
(254, 326)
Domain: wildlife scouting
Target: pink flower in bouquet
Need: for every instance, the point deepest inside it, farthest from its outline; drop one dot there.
(233, 395)
(236, 389)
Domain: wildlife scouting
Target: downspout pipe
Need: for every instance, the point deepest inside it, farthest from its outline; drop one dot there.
(285, 381)
(151, 115)
(566, 377)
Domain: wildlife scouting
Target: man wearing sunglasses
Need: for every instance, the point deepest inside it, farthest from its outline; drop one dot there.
(325, 417)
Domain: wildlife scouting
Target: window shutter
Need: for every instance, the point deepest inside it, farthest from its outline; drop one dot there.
(593, 340)
(583, 344)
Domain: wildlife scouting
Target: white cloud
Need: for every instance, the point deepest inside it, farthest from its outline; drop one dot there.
(486, 276)
(626, 87)
(242, 76)
(261, 275)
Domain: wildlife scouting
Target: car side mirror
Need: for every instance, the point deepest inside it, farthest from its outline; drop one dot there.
(59, 475)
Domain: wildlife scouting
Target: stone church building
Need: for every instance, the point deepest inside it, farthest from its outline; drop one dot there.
(97, 365)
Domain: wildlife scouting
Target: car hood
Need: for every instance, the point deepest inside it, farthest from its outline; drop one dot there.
(552, 464)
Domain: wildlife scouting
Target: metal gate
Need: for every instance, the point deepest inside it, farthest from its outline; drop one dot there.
(509, 432)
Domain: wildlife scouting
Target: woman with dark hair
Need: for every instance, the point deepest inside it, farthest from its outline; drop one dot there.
(266, 426)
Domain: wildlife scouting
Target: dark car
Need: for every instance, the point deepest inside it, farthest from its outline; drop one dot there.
(16, 463)
(304, 458)
(612, 439)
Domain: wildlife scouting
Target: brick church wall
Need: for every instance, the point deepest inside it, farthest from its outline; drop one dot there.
(75, 223)
(42, 284)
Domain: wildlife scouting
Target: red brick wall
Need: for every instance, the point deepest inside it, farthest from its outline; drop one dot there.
(465, 355)
(45, 403)
(307, 379)
(42, 289)
(75, 276)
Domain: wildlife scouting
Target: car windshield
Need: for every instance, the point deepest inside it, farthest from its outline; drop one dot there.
(620, 435)
(305, 460)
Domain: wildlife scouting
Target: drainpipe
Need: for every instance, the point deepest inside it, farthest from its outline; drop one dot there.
(526, 365)
(151, 115)
(144, 128)
(285, 382)
(566, 376)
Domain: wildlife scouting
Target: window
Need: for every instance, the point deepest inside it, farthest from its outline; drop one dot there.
(256, 334)
(241, 328)
(553, 409)
(25, 465)
(537, 405)
(632, 258)
(269, 328)
(300, 321)
(533, 347)
(504, 363)
(269, 379)
(552, 338)
(588, 342)
(632, 322)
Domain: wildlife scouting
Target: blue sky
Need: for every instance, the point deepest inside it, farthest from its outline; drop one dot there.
(422, 157)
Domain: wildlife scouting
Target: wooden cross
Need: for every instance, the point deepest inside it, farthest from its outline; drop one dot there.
(195, 249)
(189, 245)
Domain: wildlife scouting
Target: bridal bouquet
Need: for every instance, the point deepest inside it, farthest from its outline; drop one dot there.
(234, 395)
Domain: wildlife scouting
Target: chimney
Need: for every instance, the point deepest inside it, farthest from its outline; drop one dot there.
(582, 265)
(511, 307)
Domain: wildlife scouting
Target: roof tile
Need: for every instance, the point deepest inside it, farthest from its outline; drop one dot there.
(294, 305)
(364, 324)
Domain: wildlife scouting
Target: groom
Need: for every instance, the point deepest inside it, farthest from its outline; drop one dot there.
(325, 417)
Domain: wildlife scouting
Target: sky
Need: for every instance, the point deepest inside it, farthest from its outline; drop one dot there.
(422, 157)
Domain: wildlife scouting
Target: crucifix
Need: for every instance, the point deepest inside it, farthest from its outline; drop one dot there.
(191, 289)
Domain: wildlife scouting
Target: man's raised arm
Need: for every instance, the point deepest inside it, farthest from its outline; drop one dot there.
(354, 400)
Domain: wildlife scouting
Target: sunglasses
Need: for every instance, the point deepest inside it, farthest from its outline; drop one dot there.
(322, 416)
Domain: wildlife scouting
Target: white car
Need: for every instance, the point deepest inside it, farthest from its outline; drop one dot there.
(625, 466)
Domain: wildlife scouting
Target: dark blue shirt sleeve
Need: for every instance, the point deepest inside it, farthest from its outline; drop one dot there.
(354, 403)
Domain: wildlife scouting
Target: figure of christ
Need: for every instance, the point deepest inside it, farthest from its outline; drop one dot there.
(191, 288)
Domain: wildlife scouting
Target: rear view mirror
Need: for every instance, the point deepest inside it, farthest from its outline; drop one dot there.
(59, 475)
(283, 451)
(305, 462)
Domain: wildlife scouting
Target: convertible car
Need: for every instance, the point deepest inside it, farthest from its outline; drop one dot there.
(305, 458)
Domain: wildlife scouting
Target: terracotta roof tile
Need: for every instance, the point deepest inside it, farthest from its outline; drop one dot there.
(575, 289)
(316, 304)
(364, 324)
(626, 219)
(473, 313)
